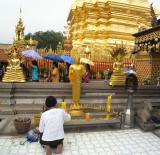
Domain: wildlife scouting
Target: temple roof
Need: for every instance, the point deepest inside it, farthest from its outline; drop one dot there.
(147, 31)
(3, 57)
(4, 46)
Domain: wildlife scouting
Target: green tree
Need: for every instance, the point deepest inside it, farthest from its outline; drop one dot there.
(46, 39)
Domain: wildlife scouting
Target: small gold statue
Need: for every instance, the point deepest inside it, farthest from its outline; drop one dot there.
(20, 30)
(118, 65)
(76, 73)
(118, 76)
(14, 63)
(14, 71)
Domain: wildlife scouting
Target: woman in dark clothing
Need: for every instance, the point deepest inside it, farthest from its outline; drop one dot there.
(88, 73)
(1, 71)
(66, 73)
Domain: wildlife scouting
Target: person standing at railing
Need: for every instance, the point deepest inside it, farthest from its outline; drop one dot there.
(55, 72)
(1, 71)
(88, 73)
(66, 72)
(35, 70)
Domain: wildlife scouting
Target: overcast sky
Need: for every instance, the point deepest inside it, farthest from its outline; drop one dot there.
(37, 15)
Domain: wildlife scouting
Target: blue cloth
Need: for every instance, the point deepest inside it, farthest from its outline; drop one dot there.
(35, 73)
(32, 136)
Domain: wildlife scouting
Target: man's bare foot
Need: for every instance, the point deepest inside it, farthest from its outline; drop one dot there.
(59, 149)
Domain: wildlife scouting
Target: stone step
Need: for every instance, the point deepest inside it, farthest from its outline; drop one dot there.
(94, 92)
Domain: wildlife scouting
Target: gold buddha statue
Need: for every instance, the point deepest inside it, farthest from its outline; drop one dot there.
(118, 76)
(76, 72)
(14, 63)
(14, 72)
(118, 64)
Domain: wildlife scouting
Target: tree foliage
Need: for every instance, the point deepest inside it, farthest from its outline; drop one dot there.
(48, 39)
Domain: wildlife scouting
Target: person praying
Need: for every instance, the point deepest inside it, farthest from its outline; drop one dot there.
(51, 126)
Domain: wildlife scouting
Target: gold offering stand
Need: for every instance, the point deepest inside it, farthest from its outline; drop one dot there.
(93, 115)
(96, 116)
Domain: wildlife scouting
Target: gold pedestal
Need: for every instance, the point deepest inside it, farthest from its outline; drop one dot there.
(117, 79)
(75, 110)
(14, 76)
(108, 117)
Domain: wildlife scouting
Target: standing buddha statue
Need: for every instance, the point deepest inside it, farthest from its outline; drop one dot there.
(76, 72)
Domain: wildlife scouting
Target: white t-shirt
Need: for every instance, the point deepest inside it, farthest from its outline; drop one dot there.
(51, 124)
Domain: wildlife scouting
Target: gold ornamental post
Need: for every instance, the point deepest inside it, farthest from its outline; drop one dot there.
(108, 108)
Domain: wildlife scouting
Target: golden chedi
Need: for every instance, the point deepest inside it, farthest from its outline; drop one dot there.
(100, 23)
(118, 76)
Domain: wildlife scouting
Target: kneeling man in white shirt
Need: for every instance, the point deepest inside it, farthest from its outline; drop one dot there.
(51, 126)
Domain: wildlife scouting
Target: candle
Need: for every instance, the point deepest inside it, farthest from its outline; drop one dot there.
(64, 105)
(88, 118)
(109, 100)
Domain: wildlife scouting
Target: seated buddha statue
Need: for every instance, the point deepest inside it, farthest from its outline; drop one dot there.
(14, 62)
(118, 65)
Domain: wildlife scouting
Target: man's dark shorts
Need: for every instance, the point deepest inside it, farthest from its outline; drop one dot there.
(52, 144)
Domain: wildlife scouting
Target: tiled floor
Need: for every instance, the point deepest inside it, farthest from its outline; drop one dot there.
(116, 142)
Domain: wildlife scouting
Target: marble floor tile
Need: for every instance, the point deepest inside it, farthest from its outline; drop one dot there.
(115, 142)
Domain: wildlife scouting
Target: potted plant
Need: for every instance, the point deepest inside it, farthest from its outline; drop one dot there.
(109, 74)
(147, 81)
(102, 74)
